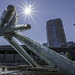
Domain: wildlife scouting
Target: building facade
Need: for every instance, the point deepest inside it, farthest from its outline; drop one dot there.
(9, 56)
(55, 33)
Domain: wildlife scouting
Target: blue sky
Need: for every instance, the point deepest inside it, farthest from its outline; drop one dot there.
(46, 10)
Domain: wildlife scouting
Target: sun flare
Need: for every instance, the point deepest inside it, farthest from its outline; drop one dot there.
(28, 10)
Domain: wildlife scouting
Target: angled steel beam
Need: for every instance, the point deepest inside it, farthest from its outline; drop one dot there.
(59, 62)
(21, 51)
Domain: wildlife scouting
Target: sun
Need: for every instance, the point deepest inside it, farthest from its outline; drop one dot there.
(28, 10)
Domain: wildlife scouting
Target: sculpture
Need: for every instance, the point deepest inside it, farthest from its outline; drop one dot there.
(9, 29)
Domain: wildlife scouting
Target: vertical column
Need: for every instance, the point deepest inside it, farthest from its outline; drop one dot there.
(5, 57)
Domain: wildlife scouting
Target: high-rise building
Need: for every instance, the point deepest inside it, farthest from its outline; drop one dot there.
(55, 33)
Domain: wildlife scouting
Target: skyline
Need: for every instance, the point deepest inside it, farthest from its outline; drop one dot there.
(46, 10)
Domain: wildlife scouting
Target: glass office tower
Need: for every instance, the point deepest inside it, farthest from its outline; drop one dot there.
(55, 33)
